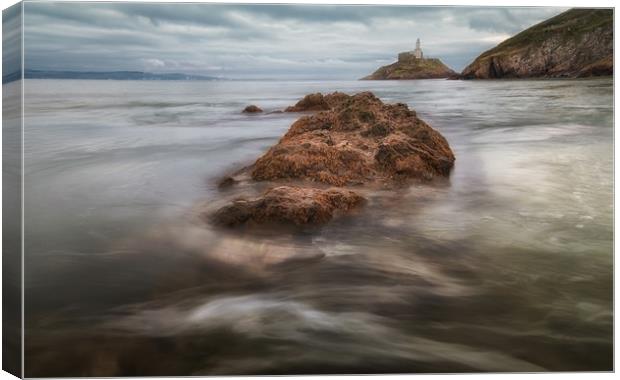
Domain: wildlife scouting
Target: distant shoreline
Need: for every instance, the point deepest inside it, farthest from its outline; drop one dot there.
(16, 77)
(104, 75)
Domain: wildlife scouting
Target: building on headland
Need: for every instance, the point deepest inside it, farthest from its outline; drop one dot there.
(411, 55)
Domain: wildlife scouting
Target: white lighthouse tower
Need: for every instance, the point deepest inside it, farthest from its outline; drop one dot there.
(411, 56)
(418, 52)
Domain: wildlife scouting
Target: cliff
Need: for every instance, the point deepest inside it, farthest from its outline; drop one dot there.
(576, 43)
(409, 67)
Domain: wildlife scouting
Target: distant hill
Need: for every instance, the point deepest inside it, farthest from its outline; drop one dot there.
(410, 67)
(113, 75)
(576, 43)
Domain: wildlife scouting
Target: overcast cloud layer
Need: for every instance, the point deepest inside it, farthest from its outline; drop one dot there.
(259, 41)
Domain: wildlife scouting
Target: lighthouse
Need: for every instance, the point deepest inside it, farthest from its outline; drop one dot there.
(411, 56)
(418, 52)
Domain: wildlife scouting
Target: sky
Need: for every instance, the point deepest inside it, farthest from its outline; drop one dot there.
(260, 41)
(11, 40)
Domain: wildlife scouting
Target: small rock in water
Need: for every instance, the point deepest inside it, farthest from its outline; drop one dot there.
(252, 109)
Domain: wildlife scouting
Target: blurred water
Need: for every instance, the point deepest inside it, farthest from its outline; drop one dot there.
(508, 267)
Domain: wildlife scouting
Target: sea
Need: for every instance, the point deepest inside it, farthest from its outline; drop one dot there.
(505, 267)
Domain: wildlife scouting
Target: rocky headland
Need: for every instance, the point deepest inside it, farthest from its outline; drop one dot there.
(352, 141)
(410, 67)
(576, 43)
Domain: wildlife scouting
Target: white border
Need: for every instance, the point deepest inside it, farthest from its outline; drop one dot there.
(522, 3)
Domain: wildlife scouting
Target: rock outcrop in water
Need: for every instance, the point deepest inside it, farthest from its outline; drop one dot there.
(576, 43)
(358, 140)
(252, 109)
(354, 140)
(412, 68)
(288, 204)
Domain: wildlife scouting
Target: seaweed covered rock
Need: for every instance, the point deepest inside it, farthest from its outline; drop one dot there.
(317, 102)
(355, 140)
(349, 140)
(286, 205)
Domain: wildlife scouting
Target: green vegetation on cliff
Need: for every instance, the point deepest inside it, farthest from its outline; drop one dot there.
(578, 42)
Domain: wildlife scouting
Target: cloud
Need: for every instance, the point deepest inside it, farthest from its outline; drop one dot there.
(495, 39)
(506, 20)
(11, 40)
(255, 40)
(153, 63)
